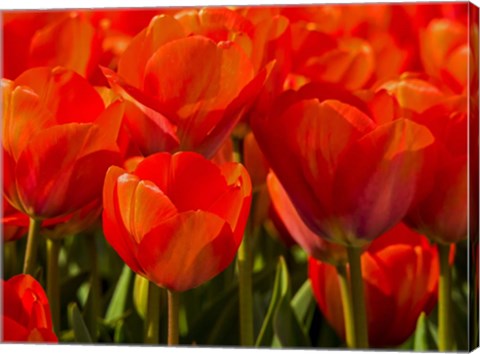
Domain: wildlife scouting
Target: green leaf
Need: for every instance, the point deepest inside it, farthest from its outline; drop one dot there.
(281, 327)
(423, 340)
(140, 295)
(280, 287)
(303, 304)
(116, 308)
(287, 328)
(76, 322)
(220, 311)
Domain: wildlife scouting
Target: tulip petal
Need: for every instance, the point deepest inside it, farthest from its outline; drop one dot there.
(42, 335)
(150, 136)
(414, 94)
(315, 245)
(67, 95)
(71, 42)
(115, 232)
(379, 194)
(142, 205)
(233, 113)
(234, 204)
(313, 135)
(173, 175)
(161, 30)
(15, 309)
(193, 91)
(13, 331)
(56, 162)
(23, 115)
(169, 263)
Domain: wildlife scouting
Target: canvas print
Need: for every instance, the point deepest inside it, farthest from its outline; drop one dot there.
(242, 176)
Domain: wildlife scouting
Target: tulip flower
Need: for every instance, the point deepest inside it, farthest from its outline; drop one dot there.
(26, 312)
(57, 136)
(47, 113)
(171, 201)
(323, 142)
(195, 103)
(442, 212)
(177, 220)
(400, 270)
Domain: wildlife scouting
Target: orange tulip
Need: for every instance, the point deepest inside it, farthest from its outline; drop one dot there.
(26, 313)
(58, 141)
(71, 42)
(400, 272)
(446, 54)
(177, 220)
(195, 102)
(349, 178)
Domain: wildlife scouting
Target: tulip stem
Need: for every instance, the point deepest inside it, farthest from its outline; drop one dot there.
(152, 316)
(444, 300)
(244, 262)
(347, 305)
(358, 297)
(53, 284)
(173, 312)
(94, 286)
(30, 260)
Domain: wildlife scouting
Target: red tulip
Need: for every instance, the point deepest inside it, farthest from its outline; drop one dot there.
(196, 103)
(26, 312)
(58, 141)
(400, 272)
(349, 178)
(177, 220)
(442, 212)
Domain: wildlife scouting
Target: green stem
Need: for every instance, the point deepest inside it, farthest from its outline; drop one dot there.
(444, 300)
(244, 263)
(152, 316)
(53, 283)
(173, 311)
(94, 286)
(30, 260)
(347, 305)
(358, 297)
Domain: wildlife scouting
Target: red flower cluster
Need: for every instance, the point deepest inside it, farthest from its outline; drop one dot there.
(358, 115)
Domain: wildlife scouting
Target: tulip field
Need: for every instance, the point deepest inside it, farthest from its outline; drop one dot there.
(253, 176)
